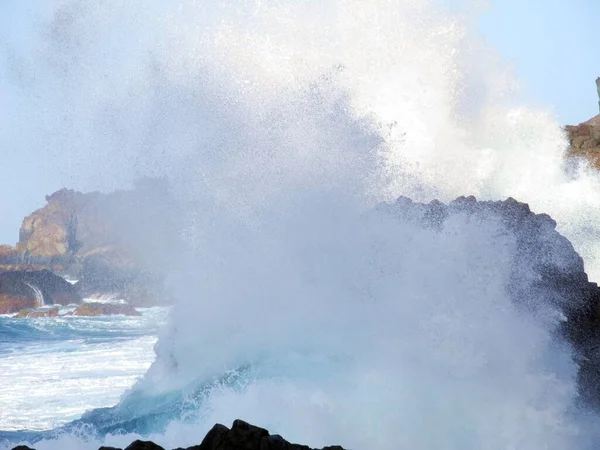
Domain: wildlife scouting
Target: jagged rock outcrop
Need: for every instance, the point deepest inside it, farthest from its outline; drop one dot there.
(115, 244)
(21, 290)
(244, 436)
(241, 436)
(545, 266)
(584, 141)
(50, 233)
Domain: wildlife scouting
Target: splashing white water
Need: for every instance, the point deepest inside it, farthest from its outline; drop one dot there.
(208, 93)
(279, 122)
(39, 296)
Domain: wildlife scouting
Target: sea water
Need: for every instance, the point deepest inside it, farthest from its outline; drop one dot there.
(52, 370)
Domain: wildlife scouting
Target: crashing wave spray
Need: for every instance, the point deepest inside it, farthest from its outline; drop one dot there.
(278, 123)
(169, 93)
(39, 296)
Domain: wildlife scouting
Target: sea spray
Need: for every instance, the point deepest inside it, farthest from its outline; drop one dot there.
(200, 92)
(277, 125)
(375, 332)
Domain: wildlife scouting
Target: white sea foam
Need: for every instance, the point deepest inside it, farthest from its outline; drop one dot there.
(75, 364)
(49, 385)
(114, 299)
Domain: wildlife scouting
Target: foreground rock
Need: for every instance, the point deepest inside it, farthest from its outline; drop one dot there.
(584, 141)
(245, 436)
(241, 436)
(545, 266)
(104, 309)
(26, 290)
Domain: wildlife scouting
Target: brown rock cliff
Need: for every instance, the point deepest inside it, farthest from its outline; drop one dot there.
(584, 140)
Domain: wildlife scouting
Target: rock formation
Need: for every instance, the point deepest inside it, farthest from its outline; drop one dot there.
(545, 266)
(584, 141)
(22, 289)
(241, 436)
(104, 309)
(245, 436)
(116, 245)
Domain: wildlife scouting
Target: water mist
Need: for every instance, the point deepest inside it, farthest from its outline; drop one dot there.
(278, 126)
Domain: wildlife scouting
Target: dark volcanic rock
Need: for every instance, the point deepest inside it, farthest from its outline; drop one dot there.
(545, 266)
(22, 289)
(144, 445)
(242, 436)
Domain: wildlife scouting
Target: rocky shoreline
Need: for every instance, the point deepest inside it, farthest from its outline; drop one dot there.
(241, 436)
(96, 241)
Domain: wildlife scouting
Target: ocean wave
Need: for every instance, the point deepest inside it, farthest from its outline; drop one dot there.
(279, 124)
(55, 369)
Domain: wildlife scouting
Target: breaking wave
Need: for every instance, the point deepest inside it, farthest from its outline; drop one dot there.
(278, 124)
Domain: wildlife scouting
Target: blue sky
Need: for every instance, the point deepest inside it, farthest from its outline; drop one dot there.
(555, 50)
(552, 44)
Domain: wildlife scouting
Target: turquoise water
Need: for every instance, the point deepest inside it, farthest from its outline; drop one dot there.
(52, 370)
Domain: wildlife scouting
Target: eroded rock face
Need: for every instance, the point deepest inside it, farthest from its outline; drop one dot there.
(21, 290)
(242, 435)
(584, 141)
